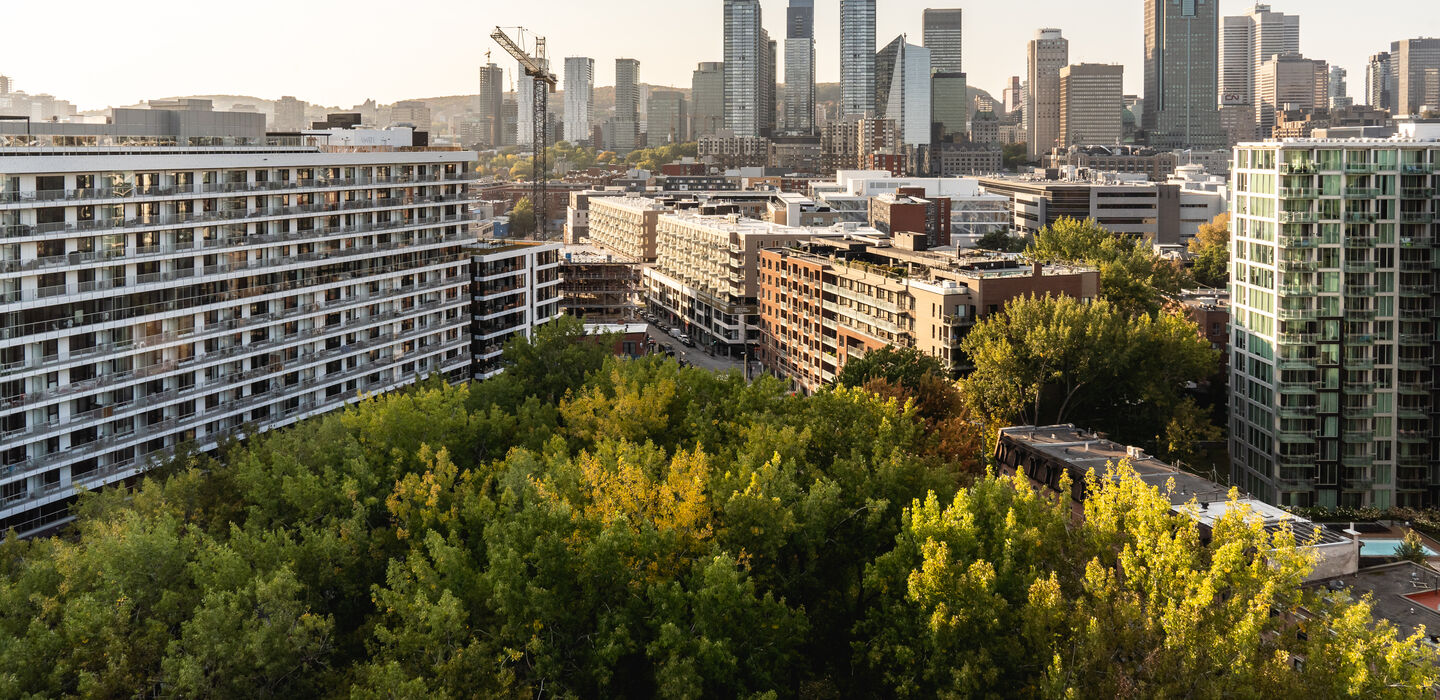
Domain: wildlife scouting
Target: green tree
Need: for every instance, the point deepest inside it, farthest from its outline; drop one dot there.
(1411, 548)
(522, 218)
(1001, 241)
(1002, 593)
(1048, 360)
(1015, 155)
(1211, 249)
(1132, 276)
(904, 366)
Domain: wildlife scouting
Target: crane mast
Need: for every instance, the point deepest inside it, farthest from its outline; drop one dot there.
(542, 83)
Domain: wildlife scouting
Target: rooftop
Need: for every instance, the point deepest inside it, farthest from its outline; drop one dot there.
(1404, 593)
(1083, 451)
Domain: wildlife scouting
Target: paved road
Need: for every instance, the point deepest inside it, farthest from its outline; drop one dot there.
(696, 355)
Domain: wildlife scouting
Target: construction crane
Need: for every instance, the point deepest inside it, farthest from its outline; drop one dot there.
(542, 83)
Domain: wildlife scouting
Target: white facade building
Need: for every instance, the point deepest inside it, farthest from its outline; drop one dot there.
(579, 97)
(515, 288)
(155, 297)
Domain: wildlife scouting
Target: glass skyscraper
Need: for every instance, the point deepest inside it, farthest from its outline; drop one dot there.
(857, 58)
(800, 68)
(1182, 46)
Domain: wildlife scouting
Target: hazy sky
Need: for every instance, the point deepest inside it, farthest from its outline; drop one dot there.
(99, 52)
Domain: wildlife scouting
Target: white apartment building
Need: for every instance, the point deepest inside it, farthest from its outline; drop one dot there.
(579, 98)
(515, 288)
(625, 226)
(705, 276)
(162, 296)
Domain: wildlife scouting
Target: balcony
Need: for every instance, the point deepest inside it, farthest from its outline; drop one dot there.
(1297, 411)
(1358, 437)
(1298, 387)
(1360, 387)
(1417, 192)
(1361, 192)
(1360, 314)
(1358, 412)
(1412, 461)
(1360, 217)
(1299, 289)
(1300, 437)
(1298, 265)
(1299, 193)
(1416, 291)
(1417, 168)
(1299, 217)
(1358, 461)
(1413, 412)
(1416, 339)
(1297, 314)
(1360, 241)
(1359, 267)
(1297, 338)
(1416, 217)
(1416, 388)
(1413, 364)
(1302, 168)
(1359, 364)
(1359, 167)
(1299, 241)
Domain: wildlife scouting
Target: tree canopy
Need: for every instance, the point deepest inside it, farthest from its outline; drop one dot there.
(1211, 248)
(1132, 276)
(586, 526)
(1049, 360)
(522, 217)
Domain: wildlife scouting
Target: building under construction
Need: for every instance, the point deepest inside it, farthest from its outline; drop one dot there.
(599, 287)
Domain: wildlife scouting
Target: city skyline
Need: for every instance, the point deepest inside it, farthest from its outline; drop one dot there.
(994, 44)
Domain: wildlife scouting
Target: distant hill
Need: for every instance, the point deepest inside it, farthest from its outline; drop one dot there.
(445, 106)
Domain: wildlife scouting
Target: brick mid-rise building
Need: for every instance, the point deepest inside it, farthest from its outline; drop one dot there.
(908, 210)
(826, 301)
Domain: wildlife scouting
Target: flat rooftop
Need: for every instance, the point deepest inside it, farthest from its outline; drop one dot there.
(1405, 593)
(1084, 451)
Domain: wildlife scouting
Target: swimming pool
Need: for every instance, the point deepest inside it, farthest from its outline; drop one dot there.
(1386, 548)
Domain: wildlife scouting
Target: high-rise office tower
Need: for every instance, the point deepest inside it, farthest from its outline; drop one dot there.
(1333, 315)
(625, 134)
(4, 85)
(490, 109)
(799, 68)
(579, 97)
(1182, 42)
(707, 99)
(950, 111)
(1339, 90)
(857, 58)
(1048, 53)
(744, 59)
(902, 77)
(1380, 81)
(1248, 41)
(1092, 101)
(768, 85)
(1290, 79)
(942, 35)
(668, 121)
(1012, 98)
(1416, 85)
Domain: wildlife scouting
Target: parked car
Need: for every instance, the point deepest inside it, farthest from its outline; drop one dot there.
(685, 340)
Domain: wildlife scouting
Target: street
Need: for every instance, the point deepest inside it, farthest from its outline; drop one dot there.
(696, 356)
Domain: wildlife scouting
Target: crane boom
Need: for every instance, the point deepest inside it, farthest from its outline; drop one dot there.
(532, 65)
(542, 83)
